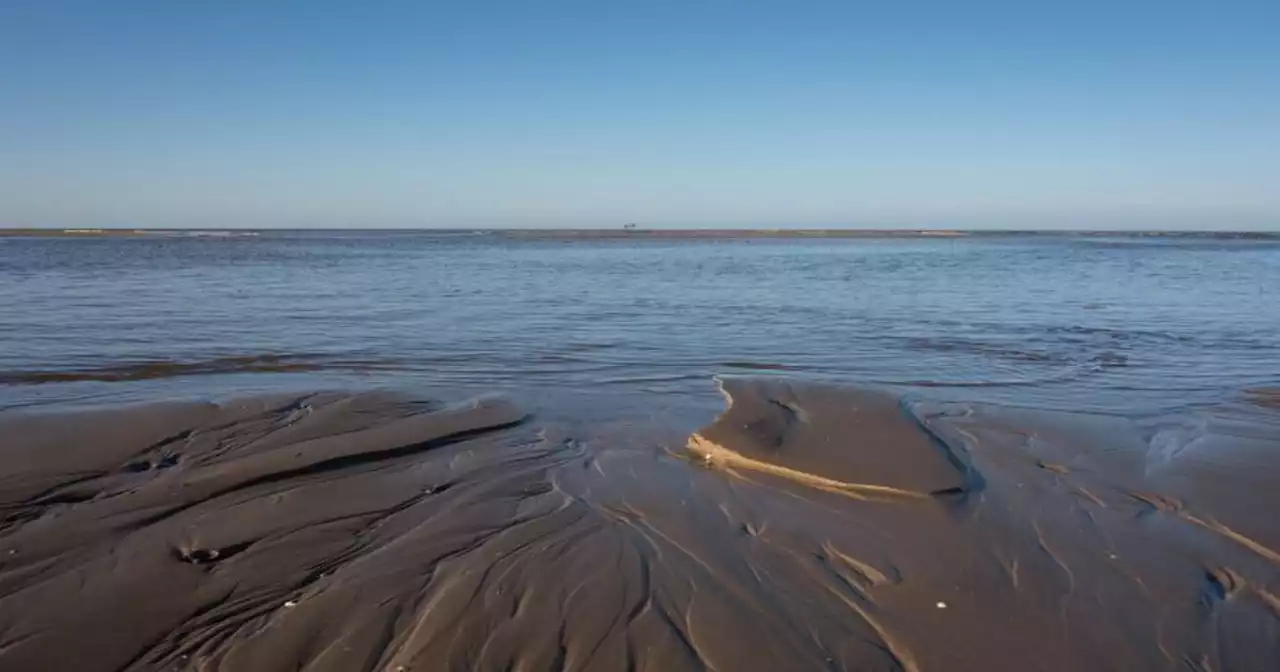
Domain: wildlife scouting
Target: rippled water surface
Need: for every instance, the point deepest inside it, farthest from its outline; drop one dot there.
(1123, 324)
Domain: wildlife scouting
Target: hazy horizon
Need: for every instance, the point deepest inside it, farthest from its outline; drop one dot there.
(714, 115)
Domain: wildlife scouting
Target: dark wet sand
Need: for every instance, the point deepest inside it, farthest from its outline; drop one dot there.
(808, 528)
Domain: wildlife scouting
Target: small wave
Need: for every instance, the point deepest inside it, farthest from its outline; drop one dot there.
(152, 369)
(1139, 335)
(981, 348)
(1109, 360)
(759, 366)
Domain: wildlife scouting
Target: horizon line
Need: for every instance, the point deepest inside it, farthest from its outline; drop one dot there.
(634, 231)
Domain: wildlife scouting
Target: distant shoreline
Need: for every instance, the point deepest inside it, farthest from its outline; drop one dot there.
(126, 233)
(640, 234)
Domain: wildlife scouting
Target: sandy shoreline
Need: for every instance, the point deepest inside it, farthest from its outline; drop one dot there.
(808, 527)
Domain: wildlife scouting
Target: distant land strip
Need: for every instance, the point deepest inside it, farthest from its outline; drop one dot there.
(638, 233)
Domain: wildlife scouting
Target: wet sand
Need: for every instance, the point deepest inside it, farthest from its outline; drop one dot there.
(809, 527)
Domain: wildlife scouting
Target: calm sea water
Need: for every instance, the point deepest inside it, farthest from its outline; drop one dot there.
(1125, 324)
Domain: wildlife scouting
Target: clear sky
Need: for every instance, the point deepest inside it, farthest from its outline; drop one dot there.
(1086, 114)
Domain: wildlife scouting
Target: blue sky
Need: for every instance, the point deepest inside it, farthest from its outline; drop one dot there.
(693, 113)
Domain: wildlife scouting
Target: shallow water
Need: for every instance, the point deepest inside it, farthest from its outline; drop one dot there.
(1122, 324)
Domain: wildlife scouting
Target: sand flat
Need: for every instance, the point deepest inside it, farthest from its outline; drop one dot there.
(377, 532)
